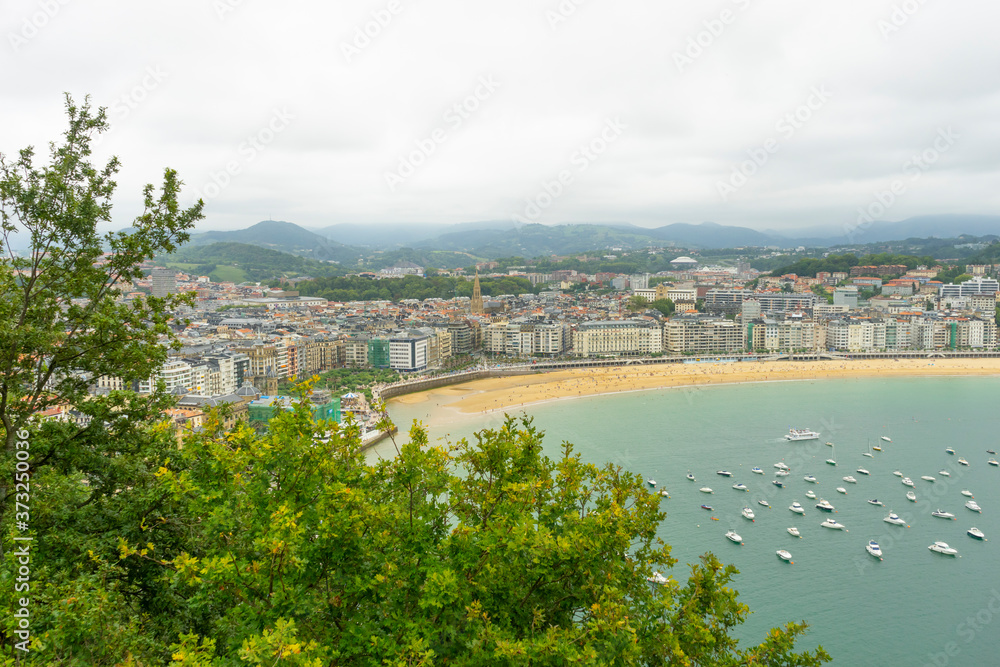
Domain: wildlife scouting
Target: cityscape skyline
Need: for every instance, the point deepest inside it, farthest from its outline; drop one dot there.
(770, 116)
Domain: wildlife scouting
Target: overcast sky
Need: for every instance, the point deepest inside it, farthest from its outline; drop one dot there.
(779, 114)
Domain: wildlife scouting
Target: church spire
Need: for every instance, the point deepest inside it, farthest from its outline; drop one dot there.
(477, 296)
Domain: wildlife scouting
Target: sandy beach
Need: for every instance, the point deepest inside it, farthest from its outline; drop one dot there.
(513, 393)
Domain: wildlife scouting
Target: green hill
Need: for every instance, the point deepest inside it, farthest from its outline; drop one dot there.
(284, 237)
(241, 261)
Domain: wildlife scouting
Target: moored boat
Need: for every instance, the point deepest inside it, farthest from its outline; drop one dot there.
(764, 503)
(734, 537)
(875, 501)
(756, 470)
(810, 478)
(927, 478)
(664, 493)
(797, 508)
(873, 548)
(810, 494)
(794, 531)
(897, 473)
(895, 520)
(707, 507)
(841, 489)
(747, 513)
(944, 473)
(963, 461)
(651, 481)
(657, 578)
(943, 548)
(706, 489)
(863, 471)
(911, 496)
(967, 493)
(950, 450)
(833, 524)
(785, 556)
(691, 477)
(974, 506)
(994, 462)
(777, 484)
(976, 533)
(850, 479)
(739, 486)
(941, 514)
(724, 473)
(796, 434)
(908, 482)
(824, 505)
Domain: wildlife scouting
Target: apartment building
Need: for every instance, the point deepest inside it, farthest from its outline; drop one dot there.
(617, 337)
(683, 334)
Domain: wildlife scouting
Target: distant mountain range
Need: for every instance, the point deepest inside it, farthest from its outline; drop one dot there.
(347, 243)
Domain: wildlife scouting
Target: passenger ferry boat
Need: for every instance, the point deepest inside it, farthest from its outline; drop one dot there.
(795, 434)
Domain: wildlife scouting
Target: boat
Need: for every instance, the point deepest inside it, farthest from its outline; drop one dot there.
(785, 556)
(739, 486)
(782, 473)
(927, 478)
(908, 482)
(691, 477)
(886, 438)
(794, 531)
(850, 479)
(764, 503)
(832, 523)
(657, 578)
(734, 537)
(664, 493)
(756, 471)
(811, 494)
(911, 496)
(877, 448)
(781, 466)
(797, 508)
(810, 478)
(777, 484)
(976, 533)
(967, 493)
(747, 513)
(897, 473)
(724, 473)
(994, 462)
(832, 462)
(873, 548)
(841, 489)
(943, 548)
(990, 451)
(828, 444)
(868, 454)
(944, 473)
(651, 481)
(894, 519)
(824, 505)
(963, 461)
(974, 506)
(705, 489)
(863, 471)
(796, 434)
(942, 514)
(876, 501)
(950, 450)
(707, 507)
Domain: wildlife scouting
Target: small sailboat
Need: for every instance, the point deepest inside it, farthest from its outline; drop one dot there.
(886, 438)
(691, 477)
(833, 456)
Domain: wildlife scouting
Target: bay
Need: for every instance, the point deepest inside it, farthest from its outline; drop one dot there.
(915, 606)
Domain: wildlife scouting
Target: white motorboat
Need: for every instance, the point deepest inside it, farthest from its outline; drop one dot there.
(705, 489)
(944, 473)
(657, 578)
(796, 434)
(664, 493)
(863, 471)
(810, 494)
(976, 533)
(651, 481)
(850, 479)
(781, 466)
(868, 454)
(942, 514)
(764, 503)
(747, 513)
(739, 486)
(967, 493)
(908, 482)
(691, 477)
(887, 438)
(963, 461)
(785, 556)
(943, 548)
(875, 501)
(797, 508)
(794, 531)
(841, 489)
(994, 462)
(927, 478)
(974, 506)
(810, 478)
(950, 450)
(873, 548)
(782, 473)
(832, 523)
(756, 470)
(828, 444)
(894, 519)
(824, 505)
(897, 473)
(832, 462)
(724, 473)
(734, 537)
(911, 496)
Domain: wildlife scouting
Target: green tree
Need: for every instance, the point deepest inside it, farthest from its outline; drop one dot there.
(665, 306)
(62, 326)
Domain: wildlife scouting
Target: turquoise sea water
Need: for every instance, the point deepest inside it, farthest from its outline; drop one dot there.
(915, 607)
